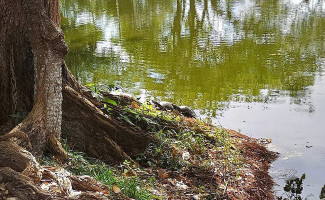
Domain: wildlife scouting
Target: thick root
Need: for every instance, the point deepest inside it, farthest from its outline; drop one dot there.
(18, 159)
(56, 149)
(97, 134)
(20, 186)
(17, 134)
(32, 134)
(19, 171)
(24, 178)
(87, 183)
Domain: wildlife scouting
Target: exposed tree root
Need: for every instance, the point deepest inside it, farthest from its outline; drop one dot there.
(18, 159)
(24, 178)
(97, 134)
(16, 134)
(87, 183)
(56, 148)
(33, 136)
(19, 171)
(21, 186)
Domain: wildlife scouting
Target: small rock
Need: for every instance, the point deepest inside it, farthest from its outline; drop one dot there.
(186, 155)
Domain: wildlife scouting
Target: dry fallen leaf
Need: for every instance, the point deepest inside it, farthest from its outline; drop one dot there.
(57, 157)
(105, 192)
(116, 189)
(176, 151)
(2, 186)
(134, 105)
(162, 173)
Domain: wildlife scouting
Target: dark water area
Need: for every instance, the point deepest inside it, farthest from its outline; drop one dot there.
(249, 65)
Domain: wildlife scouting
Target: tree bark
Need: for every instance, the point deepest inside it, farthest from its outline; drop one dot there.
(42, 43)
(16, 63)
(34, 79)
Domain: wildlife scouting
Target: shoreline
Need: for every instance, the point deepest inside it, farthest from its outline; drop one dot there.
(192, 159)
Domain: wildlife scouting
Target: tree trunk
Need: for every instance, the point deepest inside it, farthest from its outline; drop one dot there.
(41, 43)
(35, 80)
(16, 64)
(29, 31)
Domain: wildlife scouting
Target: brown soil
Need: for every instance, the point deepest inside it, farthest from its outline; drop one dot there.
(255, 184)
(258, 159)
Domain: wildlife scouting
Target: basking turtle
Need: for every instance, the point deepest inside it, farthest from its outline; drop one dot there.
(164, 105)
(184, 110)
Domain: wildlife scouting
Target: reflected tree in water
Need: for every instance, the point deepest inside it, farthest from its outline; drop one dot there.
(200, 53)
(322, 193)
(294, 187)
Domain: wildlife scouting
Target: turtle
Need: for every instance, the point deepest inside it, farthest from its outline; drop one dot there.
(164, 105)
(184, 110)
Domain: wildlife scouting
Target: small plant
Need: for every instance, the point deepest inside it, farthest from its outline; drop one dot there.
(130, 186)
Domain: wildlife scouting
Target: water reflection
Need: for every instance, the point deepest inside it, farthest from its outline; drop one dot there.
(200, 52)
(294, 187)
(322, 193)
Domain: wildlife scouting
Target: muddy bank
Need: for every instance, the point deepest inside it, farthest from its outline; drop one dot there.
(257, 184)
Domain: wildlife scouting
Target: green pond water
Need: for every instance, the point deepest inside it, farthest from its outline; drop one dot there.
(250, 65)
